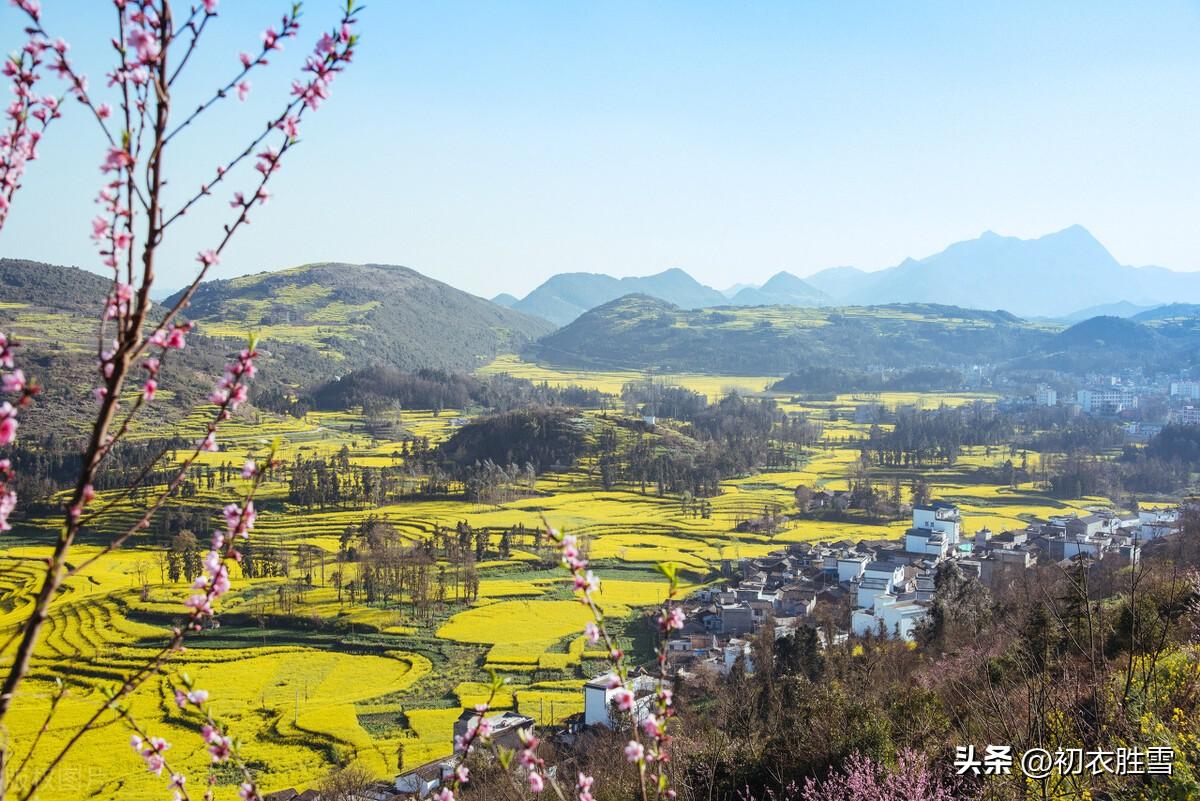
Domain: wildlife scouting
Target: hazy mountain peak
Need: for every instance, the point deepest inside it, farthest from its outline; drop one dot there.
(565, 296)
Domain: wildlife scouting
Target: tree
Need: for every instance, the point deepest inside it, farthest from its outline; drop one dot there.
(345, 784)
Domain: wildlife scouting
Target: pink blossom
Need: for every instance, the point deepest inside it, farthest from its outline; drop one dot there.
(8, 423)
(589, 582)
(634, 752)
(536, 785)
(151, 751)
(31, 7)
(249, 469)
(210, 442)
(248, 792)
(673, 619)
(463, 774)
(270, 40)
(103, 111)
(149, 388)
(246, 59)
(210, 6)
(243, 89)
(200, 605)
(220, 748)
(208, 258)
(290, 125)
(145, 43)
(177, 781)
(445, 794)
(14, 381)
(584, 785)
(8, 502)
(623, 698)
(116, 160)
(592, 632)
(100, 228)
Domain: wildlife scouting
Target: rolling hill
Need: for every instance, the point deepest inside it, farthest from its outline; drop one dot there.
(313, 321)
(53, 313)
(640, 332)
(354, 315)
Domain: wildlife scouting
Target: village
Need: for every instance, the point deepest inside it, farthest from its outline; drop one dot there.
(873, 588)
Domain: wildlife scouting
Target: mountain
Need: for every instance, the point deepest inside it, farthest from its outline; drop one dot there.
(506, 300)
(1171, 311)
(565, 296)
(354, 315)
(1121, 308)
(783, 289)
(641, 332)
(841, 283)
(732, 290)
(1051, 276)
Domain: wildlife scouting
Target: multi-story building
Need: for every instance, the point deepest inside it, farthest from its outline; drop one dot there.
(1188, 390)
(1047, 396)
(1187, 416)
(1106, 400)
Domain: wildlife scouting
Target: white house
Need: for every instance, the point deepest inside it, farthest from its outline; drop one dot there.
(897, 617)
(941, 517)
(851, 566)
(878, 578)
(598, 699)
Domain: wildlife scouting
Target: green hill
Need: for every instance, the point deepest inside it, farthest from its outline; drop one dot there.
(353, 315)
(313, 321)
(639, 331)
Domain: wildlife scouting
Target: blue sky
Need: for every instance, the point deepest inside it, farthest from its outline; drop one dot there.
(492, 144)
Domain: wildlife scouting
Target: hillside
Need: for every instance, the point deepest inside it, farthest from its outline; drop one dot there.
(351, 315)
(313, 322)
(1115, 343)
(638, 331)
(565, 296)
(1171, 311)
(53, 312)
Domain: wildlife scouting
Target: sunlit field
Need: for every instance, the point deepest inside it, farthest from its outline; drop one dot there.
(311, 675)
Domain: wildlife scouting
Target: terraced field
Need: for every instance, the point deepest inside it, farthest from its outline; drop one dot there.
(333, 680)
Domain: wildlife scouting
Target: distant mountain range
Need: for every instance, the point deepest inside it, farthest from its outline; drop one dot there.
(1067, 275)
(1054, 276)
(565, 296)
